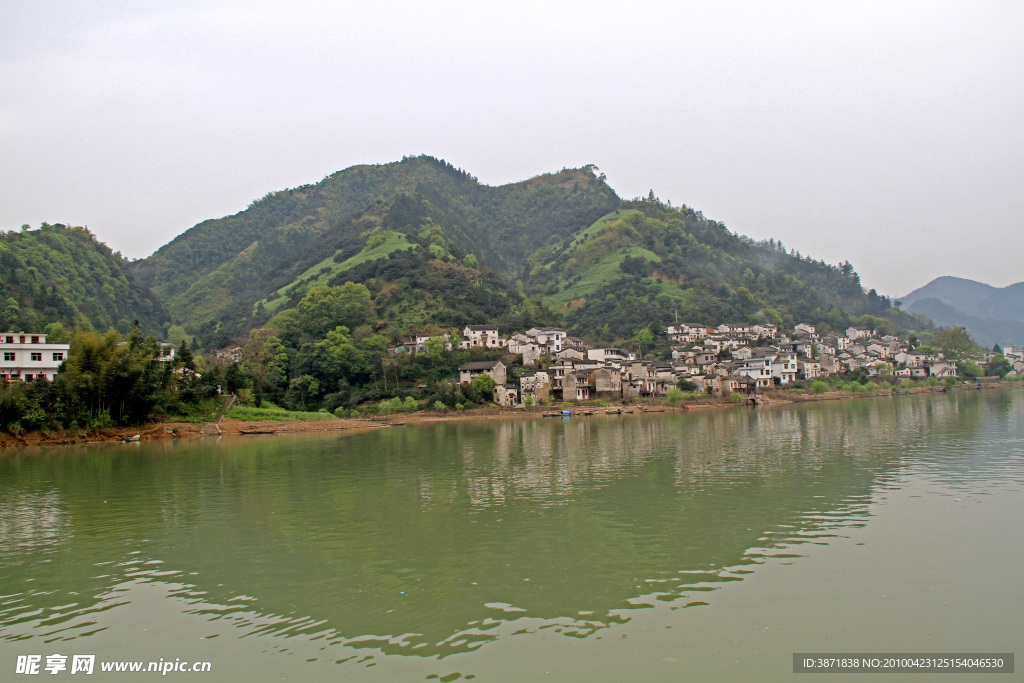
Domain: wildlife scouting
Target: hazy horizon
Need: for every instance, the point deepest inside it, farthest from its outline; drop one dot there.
(886, 134)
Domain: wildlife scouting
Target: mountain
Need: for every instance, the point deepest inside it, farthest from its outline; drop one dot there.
(993, 315)
(61, 274)
(436, 247)
(214, 276)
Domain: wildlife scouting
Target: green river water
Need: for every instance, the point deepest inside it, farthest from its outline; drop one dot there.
(701, 546)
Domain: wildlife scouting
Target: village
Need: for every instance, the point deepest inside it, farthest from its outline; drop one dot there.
(718, 360)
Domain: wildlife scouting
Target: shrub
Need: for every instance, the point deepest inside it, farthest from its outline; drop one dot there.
(410, 405)
(439, 407)
(819, 387)
(674, 396)
(736, 398)
(459, 406)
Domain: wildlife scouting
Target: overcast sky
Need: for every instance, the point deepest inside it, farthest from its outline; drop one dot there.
(887, 133)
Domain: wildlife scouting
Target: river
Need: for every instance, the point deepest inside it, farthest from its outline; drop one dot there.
(708, 545)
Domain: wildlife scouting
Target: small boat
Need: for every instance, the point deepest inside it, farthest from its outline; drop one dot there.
(261, 430)
(613, 411)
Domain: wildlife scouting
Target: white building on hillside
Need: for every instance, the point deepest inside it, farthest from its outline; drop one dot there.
(27, 357)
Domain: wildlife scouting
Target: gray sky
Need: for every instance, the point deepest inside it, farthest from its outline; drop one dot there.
(887, 133)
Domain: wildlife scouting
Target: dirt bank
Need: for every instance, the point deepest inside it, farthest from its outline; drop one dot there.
(230, 426)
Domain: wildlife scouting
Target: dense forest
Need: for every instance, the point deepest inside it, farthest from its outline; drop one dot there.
(651, 264)
(59, 274)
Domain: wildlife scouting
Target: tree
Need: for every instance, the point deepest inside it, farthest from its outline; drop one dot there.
(968, 368)
(233, 378)
(265, 361)
(998, 365)
(674, 396)
(57, 334)
(484, 384)
(304, 385)
(954, 342)
(184, 358)
(176, 334)
(324, 308)
(772, 315)
(645, 338)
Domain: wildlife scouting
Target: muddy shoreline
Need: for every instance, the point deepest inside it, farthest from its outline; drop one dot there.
(233, 427)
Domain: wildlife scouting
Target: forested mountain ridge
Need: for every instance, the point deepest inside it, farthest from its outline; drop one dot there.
(214, 276)
(436, 248)
(585, 258)
(59, 274)
(650, 263)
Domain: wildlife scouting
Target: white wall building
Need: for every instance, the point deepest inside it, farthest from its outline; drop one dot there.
(28, 356)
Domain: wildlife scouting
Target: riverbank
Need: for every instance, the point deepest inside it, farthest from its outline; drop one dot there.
(234, 427)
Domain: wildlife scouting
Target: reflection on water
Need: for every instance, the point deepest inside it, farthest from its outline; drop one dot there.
(430, 540)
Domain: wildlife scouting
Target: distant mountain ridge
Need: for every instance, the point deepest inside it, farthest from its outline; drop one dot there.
(994, 315)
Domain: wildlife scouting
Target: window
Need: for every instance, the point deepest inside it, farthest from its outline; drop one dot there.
(59, 355)
(35, 356)
(28, 378)
(9, 355)
(35, 340)
(9, 340)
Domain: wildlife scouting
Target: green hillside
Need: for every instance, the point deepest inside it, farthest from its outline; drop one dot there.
(59, 274)
(648, 263)
(562, 246)
(332, 266)
(226, 276)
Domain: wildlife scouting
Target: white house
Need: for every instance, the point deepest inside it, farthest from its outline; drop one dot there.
(29, 356)
(481, 335)
(610, 355)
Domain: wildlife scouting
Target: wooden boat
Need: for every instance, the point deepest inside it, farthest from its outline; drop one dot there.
(261, 430)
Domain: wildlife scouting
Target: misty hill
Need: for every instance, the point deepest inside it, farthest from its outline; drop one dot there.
(60, 274)
(992, 314)
(435, 246)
